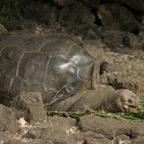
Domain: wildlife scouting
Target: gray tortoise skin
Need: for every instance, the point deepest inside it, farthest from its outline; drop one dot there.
(54, 66)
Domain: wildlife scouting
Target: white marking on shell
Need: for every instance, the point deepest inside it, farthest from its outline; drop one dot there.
(67, 66)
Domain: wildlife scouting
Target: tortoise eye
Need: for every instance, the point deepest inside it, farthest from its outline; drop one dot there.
(130, 101)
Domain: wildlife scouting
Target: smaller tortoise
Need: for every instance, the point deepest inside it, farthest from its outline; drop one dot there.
(108, 99)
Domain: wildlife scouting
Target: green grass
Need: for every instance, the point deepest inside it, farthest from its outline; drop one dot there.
(133, 117)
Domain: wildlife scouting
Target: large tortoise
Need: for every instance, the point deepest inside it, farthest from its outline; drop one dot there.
(55, 66)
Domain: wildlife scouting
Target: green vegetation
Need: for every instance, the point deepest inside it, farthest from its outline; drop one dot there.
(133, 117)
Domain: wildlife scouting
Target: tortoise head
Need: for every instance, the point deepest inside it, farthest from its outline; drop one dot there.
(127, 101)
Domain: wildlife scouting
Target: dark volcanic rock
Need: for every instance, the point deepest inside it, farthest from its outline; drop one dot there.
(62, 3)
(92, 3)
(117, 16)
(76, 14)
(136, 4)
(44, 13)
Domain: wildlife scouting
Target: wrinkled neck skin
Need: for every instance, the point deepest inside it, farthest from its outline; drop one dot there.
(93, 99)
(96, 99)
(109, 103)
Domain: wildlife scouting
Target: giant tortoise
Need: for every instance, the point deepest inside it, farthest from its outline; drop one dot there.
(55, 66)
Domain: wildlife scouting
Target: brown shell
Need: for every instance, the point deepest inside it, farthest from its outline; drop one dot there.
(54, 66)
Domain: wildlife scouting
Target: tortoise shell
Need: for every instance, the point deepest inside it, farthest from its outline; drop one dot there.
(53, 66)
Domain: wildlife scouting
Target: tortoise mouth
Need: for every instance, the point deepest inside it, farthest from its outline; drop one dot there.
(130, 108)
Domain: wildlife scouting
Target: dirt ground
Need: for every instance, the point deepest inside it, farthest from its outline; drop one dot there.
(125, 70)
